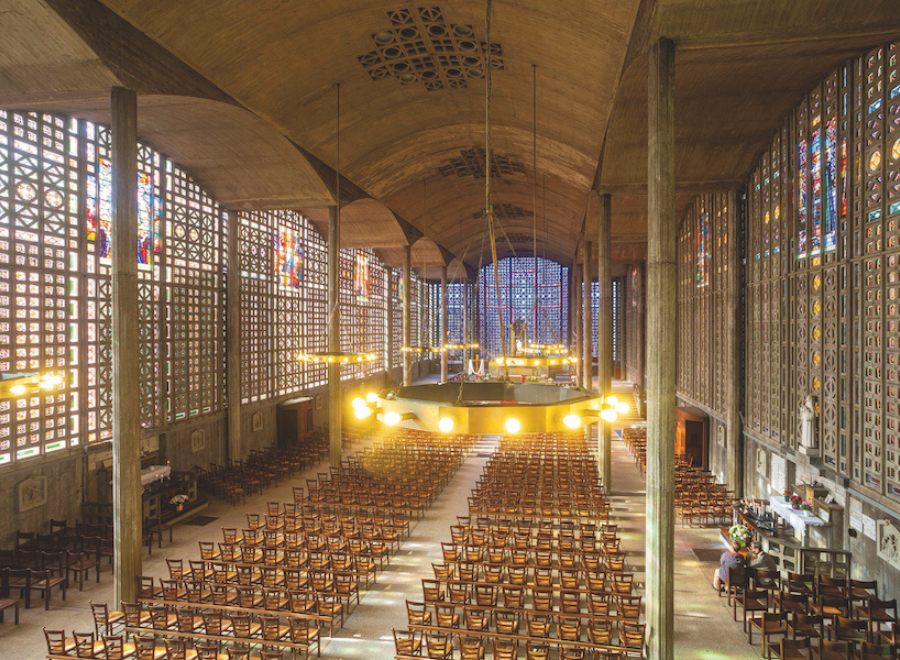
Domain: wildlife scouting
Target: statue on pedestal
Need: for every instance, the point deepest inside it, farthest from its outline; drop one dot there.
(807, 424)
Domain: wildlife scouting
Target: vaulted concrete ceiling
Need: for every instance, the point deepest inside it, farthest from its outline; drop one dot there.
(412, 99)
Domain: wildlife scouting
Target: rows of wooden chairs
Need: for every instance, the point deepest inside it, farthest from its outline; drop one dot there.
(540, 577)
(815, 617)
(403, 474)
(264, 640)
(293, 572)
(263, 468)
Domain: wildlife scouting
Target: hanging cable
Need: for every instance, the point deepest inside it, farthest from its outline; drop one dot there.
(534, 193)
(489, 210)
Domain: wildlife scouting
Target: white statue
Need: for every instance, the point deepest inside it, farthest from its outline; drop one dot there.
(807, 423)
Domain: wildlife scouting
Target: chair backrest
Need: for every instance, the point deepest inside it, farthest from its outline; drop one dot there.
(56, 641)
(736, 576)
(176, 649)
(84, 644)
(145, 647)
(113, 647)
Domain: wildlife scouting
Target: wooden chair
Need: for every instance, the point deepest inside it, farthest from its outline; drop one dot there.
(115, 648)
(751, 600)
(146, 648)
(471, 648)
(439, 645)
(878, 612)
(407, 642)
(870, 651)
(805, 625)
(790, 649)
(768, 625)
(832, 650)
(735, 580)
(58, 643)
(6, 600)
(305, 633)
(44, 582)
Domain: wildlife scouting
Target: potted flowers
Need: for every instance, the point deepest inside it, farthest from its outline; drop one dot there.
(787, 495)
(795, 501)
(178, 501)
(806, 506)
(739, 533)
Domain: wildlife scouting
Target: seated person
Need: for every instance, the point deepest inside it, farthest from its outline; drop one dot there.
(761, 560)
(730, 559)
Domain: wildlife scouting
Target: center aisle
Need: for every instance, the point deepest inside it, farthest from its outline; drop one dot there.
(704, 628)
(367, 632)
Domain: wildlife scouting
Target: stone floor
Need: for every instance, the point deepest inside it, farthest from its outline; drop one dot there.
(703, 625)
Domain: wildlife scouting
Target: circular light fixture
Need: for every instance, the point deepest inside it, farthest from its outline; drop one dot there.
(445, 425)
(463, 30)
(17, 390)
(608, 415)
(384, 37)
(572, 421)
(362, 412)
(611, 400)
(407, 78)
(371, 397)
(512, 425)
(622, 408)
(392, 418)
(359, 403)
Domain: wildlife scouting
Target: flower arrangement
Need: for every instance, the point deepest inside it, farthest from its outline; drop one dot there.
(739, 533)
(787, 495)
(806, 506)
(179, 500)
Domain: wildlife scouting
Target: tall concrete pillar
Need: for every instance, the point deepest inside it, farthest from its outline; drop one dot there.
(587, 332)
(604, 332)
(335, 403)
(389, 322)
(445, 354)
(578, 306)
(126, 419)
(407, 316)
(233, 338)
(661, 345)
(735, 433)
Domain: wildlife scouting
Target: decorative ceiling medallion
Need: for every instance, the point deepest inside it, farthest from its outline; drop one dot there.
(422, 48)
(471, 163)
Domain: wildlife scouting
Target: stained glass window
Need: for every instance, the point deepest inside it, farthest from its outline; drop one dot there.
(517, 289)
(702, 238)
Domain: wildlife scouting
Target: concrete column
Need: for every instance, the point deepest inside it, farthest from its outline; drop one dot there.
(335, 403)
(641, 333)
(604, 332)
(233, 338)
(389, 322)
(587, 332)
(445, 354)
(407, 317)
(623, 326)
(735, 434)
(661, 344)
(126, 418)
(577, 306)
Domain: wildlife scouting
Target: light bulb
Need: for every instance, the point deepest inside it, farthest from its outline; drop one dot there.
(358, 403)
(17, 390)
(391, 418)
(512, 425)
(622, 408)
(611, 400)
(46, 384)
(608, 414)
(362, 412)
(445, 425)
(371, 397)
(572, 421)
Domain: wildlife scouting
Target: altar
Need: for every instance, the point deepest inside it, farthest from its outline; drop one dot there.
(801, 521)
